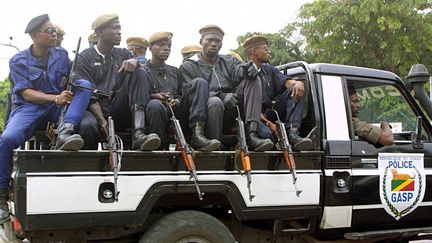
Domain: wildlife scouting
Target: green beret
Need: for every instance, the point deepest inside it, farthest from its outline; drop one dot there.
(60, 30)
(36, 22)
(137, 41)
(159, 36)
(255, 40)
(211, 29)
(190, 49)
(104, 20)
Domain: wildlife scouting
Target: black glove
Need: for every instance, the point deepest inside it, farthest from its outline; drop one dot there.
(250, 70)
(230, 100)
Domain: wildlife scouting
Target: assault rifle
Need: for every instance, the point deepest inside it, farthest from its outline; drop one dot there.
(70, 81)
(114, 144)
(287, 150)
(244, 152)
(186, 152)
(50, 131)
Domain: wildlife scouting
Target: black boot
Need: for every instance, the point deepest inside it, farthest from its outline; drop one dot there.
(67, 140)
(255, 143)
(298, 143)
(4, 208)
(141, 141)
(200, 142)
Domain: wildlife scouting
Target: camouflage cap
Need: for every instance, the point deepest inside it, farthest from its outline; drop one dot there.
(158, 36)
(60, 30)
(36, 22)
(211, 29)
(190, 49)
(255, 40)
(104, 20)
(137, 41)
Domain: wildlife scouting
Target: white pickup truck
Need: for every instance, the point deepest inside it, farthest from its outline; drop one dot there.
(350, 189)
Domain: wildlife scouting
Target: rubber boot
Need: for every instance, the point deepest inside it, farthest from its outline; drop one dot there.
(67, 140)
(4, 208)
(141, 141)
(200, 142)
(255, 143)
(298, 143)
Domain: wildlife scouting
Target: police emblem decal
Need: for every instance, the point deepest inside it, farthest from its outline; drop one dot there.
(401, 182)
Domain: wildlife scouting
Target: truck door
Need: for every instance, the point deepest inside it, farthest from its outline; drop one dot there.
(388, 182)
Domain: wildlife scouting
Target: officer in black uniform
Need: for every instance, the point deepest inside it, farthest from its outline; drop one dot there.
(166, 88)
(114, 70)
(278, 87)
(227, 83)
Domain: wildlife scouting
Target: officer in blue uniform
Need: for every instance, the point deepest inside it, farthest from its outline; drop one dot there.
(278, 87)
(38, 98)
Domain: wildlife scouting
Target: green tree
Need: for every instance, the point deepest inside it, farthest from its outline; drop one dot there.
(385, 34)
(4, 100)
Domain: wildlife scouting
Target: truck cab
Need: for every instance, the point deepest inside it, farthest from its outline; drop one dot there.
(350, 188)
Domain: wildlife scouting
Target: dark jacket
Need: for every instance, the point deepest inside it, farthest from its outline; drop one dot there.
(223, 77)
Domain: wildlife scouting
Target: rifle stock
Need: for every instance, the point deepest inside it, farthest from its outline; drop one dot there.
(288, 154)
(186, 152)
(244, 152)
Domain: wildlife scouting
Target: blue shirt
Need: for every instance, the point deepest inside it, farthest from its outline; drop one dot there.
(29, 72)
(141, 59)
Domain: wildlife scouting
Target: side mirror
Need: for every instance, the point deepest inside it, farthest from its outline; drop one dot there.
(416, 136)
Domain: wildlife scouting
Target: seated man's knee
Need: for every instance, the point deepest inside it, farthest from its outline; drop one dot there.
(84, 83)
(199, 82)
(215, 104)
(12, 140)
(154, 106)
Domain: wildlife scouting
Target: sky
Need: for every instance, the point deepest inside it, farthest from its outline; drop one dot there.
(143, 18)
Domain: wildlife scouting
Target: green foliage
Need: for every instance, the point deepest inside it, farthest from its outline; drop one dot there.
(4, 92)
(385, 34)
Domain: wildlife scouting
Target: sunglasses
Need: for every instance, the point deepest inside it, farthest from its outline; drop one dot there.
(49, 30)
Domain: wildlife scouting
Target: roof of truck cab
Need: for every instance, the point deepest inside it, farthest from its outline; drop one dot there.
(327, 68)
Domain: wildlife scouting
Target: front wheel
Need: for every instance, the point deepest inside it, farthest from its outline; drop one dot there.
(187, 227)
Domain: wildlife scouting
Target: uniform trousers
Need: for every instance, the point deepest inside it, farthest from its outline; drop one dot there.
(133, 94)
(26, 118)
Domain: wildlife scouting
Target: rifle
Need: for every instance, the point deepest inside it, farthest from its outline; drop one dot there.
(186, 152)
(244, 152)
(287, 150)
(70, 80)
(51, 131)
(114, 144)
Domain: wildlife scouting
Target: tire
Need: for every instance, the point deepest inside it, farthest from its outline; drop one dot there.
(187, 227)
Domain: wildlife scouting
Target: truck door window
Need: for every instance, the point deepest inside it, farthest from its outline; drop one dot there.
(383, 102)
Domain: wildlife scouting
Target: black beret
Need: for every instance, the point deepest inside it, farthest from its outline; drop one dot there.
(36, 22)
